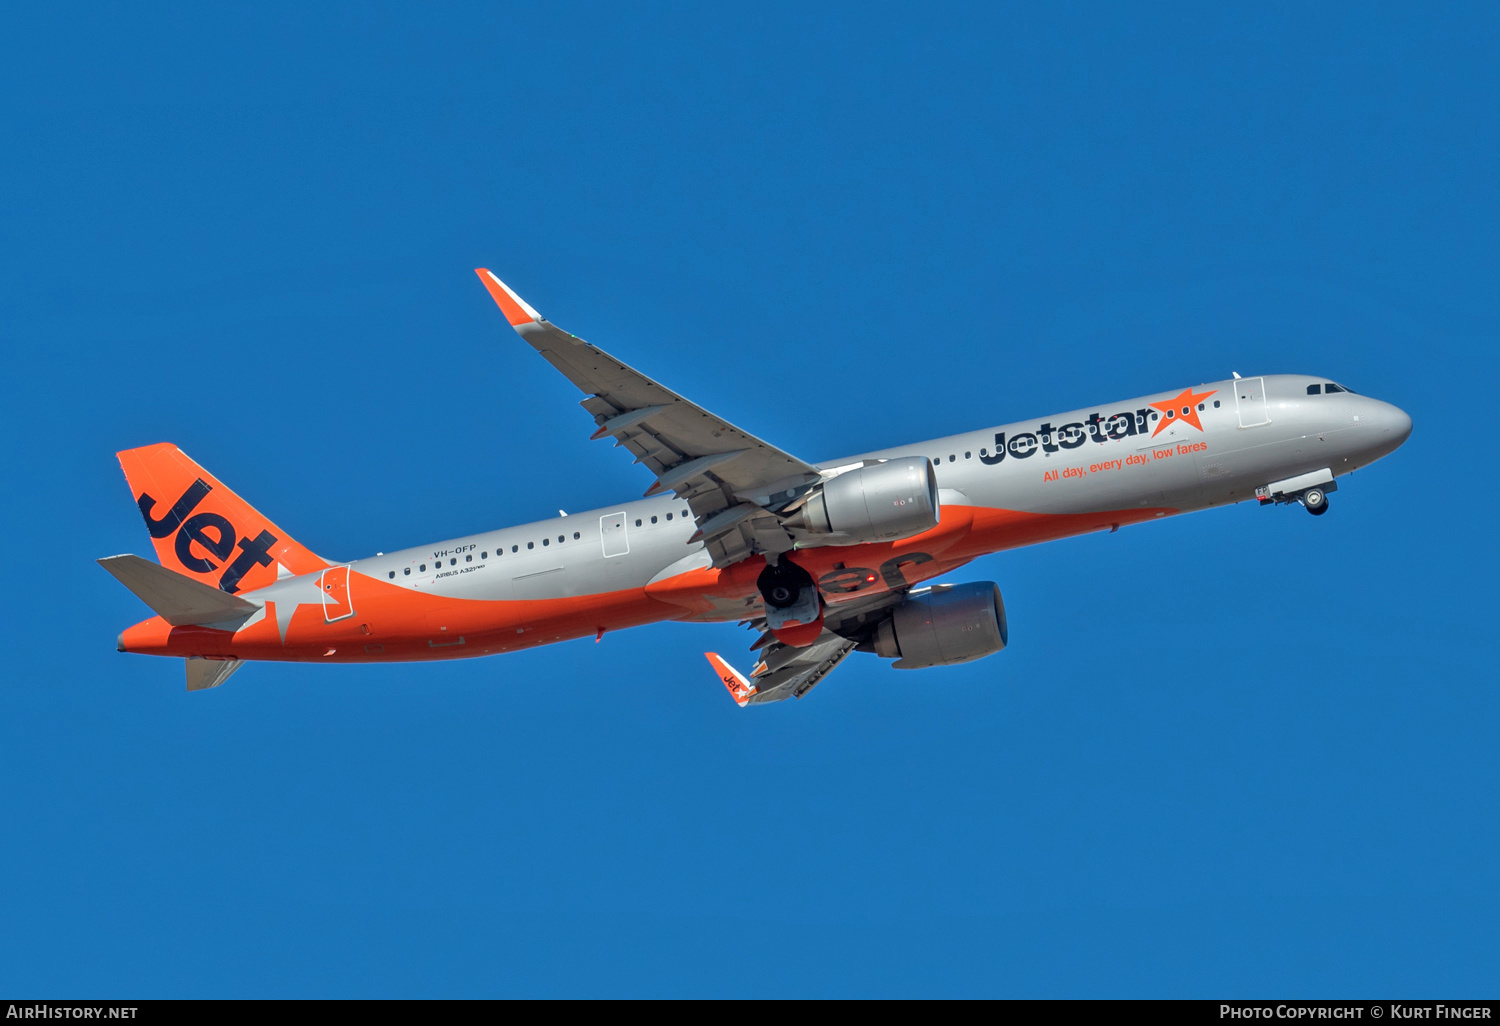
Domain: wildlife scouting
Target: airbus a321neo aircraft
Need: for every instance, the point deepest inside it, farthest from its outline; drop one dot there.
(821, 558)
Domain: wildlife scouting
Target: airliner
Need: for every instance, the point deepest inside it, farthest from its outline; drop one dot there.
(818, 559)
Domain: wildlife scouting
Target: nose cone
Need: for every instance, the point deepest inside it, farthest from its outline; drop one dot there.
(1392, 422)
(1389, 427)
(1400, 423)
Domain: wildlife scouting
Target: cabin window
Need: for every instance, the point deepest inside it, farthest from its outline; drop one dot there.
(637, 523)
(423, 568)
(1216, 404)
(392, 575)
(515, 548)
(453, 561)
(575, 535)
(1171, 414)
(984, 452)
(653, 520)
(968, 455)
(685, 514)
(1200, 406)
(546, 541)
(407, 571)
(469, 558)
(669, 516)
(1314, 389)
(952, 458)
(531, 545)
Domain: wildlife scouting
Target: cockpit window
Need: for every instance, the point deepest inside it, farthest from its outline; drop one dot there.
(1332, 388)
(1314, 389)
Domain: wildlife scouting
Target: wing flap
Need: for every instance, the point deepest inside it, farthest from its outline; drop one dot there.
(796, 675)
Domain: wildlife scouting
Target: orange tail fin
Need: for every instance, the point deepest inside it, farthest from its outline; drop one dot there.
(202, 529)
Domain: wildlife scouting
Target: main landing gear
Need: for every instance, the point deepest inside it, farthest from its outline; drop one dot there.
(790, 595)
(781, 585)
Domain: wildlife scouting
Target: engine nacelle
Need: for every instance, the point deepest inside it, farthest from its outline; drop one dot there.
(880, 502)
(944, 625)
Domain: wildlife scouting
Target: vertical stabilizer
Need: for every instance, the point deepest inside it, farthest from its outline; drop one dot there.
(202, 529)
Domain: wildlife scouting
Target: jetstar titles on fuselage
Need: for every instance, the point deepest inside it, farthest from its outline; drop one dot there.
(1099, 428)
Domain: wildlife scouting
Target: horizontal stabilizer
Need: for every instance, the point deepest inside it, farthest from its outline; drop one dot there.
(179, 600)
(203, 674)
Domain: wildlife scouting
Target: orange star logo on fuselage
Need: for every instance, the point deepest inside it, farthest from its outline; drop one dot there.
(1184, 407)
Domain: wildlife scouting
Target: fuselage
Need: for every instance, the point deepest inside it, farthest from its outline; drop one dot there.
(632, 563)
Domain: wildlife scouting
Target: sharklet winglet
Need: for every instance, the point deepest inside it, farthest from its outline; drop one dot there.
(517, 311)
(740, 688)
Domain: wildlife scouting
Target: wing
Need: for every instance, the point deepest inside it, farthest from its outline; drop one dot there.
(786, 672)
(732, 481)
(783, 672)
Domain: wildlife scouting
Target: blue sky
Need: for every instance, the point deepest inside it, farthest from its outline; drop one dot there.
(1246, 752)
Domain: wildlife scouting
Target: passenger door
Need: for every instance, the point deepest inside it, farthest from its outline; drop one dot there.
(612, 534)
(1250, 402)
(337, 603)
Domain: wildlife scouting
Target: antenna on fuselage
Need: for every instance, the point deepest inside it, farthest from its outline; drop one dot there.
(1236, 375)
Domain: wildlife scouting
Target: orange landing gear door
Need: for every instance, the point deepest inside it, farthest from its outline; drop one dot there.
(337, 604)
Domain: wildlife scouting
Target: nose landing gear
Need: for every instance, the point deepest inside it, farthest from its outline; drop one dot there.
(1311, 490)
(1316, 501)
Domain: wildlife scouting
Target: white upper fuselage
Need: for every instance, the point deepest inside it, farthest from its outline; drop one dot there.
(1123, 456)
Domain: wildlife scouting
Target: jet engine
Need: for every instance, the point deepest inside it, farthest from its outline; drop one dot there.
(884, 501)
(943, 625)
